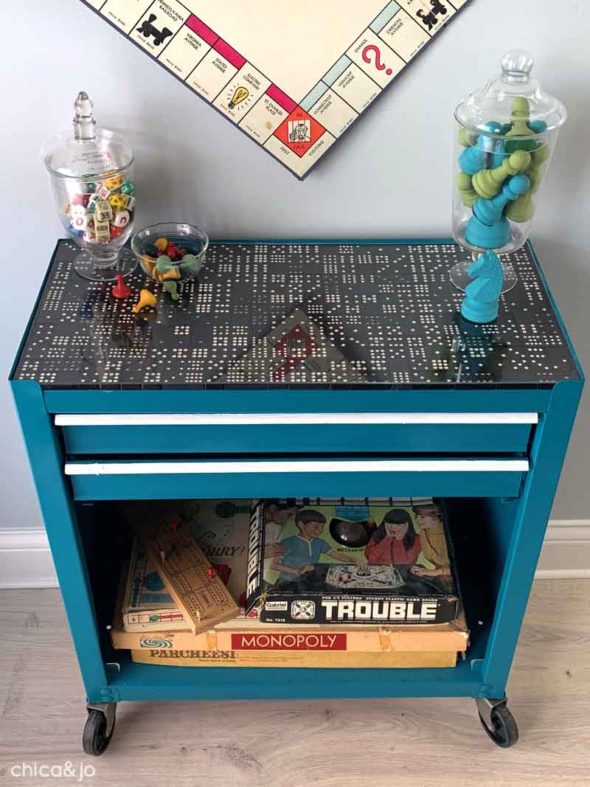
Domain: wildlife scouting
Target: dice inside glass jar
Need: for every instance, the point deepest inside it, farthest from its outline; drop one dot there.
(504, 141)
(91, 173)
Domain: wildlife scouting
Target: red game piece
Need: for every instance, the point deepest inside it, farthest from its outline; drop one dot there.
(121, 289)
(211, 572)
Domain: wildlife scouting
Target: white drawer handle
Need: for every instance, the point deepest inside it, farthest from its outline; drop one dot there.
(290, 419)
(353, 466)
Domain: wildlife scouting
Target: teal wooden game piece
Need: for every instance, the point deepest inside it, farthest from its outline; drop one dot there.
(498, 155)
(482, 295)
(472, 160)
(490, 211)
(478, 151)
(538, 126)
(484, 236)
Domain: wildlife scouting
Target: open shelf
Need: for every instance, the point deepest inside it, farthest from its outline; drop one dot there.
(480, 530)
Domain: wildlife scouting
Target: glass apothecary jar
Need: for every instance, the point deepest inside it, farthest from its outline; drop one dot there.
(91, 174)
(504, 139)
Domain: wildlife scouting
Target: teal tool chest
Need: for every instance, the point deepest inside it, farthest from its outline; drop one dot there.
(300, 368)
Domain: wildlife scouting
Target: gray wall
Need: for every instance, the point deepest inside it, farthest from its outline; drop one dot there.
(390, 176)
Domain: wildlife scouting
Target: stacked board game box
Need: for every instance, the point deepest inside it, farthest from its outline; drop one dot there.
(366, 562)
(223, 529)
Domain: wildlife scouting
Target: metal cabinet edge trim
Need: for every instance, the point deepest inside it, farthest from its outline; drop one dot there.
(336, 466)
(287, 419)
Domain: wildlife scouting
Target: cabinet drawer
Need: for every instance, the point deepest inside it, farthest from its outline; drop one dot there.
(251, 433)
(403, 477)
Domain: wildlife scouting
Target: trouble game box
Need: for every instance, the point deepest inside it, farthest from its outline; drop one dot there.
(320, 561)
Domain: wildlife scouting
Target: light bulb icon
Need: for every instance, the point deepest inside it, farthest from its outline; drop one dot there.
(240, 94)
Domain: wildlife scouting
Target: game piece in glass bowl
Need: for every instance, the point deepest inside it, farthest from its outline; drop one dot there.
(170, 252)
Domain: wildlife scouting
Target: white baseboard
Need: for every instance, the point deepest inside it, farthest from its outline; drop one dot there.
(25, 559)
(566, 551)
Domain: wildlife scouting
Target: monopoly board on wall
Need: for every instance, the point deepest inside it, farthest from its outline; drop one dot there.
(292, 76)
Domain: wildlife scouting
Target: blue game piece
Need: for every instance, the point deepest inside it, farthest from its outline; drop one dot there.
(498, 154)
(489, 211)
(476, 157)
(537, 126)
(481, 302)
(472, 160)
(495, 147)
(482, 236)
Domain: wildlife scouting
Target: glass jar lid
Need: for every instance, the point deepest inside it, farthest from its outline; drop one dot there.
(88, 152)
(513, 94)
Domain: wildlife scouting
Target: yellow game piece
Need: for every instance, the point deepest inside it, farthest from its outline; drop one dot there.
(171, 273)
(149, 264)
(469, 195)
(161, 244)
(489, 182)
(467, 138)
(146, 298)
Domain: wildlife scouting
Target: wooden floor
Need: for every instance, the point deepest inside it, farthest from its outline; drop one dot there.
(385, 742)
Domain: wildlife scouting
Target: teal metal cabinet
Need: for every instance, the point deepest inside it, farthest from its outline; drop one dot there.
(290, 369)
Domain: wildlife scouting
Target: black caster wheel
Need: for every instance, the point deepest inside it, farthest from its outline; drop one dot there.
(502, 727)
(98, 731)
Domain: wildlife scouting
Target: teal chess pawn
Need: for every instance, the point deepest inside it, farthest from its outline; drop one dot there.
(486, 236)
(482, 295)
(538, 126)
(477, 154)
(488, 228)
(472, 160)
(489, 211)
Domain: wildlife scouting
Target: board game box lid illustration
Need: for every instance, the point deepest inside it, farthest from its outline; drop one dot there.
(292, 77)
(350, 562)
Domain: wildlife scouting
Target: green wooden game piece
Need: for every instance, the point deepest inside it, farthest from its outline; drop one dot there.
(535, 171)
(171, 288)
(190, 264)
(467, 138)
(488, 182)
(520, 117)
(163, 264)
(522, 209)
(465, 187)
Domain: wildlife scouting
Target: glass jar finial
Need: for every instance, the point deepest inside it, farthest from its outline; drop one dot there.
(84, 122)
(517, 65)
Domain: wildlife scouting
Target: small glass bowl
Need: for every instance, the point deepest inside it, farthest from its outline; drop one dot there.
(170, 250)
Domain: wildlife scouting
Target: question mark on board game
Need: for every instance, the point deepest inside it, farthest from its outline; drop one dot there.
(366, 55)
